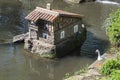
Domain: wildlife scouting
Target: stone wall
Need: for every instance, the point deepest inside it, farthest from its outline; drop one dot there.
(38, 47)
(48, 29)
(50, 38)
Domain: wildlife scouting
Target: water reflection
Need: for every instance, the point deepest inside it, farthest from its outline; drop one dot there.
(17, 66)
(56, 70)
(43, 69)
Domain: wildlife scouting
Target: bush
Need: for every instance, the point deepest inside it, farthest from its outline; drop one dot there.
(108, 66)
(118, 56)
(115, 75)
(112, 25)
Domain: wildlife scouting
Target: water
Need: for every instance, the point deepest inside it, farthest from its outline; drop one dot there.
(16, 65)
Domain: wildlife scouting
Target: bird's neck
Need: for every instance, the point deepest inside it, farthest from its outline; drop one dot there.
(98, 54)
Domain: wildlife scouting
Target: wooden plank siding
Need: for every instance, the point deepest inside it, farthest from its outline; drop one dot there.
(69, 31)
(64, 22)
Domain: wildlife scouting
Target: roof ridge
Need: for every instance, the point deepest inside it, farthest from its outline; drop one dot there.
(55, 13)
(61, 12)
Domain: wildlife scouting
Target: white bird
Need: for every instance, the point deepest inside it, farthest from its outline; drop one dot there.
(99, 56)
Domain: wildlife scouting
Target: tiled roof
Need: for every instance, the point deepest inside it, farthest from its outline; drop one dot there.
(48, 15)
(65, 13)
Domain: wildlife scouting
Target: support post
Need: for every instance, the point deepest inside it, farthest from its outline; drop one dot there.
(29, 33)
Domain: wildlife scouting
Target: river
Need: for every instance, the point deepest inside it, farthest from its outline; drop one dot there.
(16, 65)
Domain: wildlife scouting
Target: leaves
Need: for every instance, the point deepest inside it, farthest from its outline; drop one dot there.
(109, 66)
(112, 25)
(115, 75)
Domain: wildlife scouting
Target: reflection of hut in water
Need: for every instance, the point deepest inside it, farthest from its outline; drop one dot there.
(54, 33)
(45, 69)
(56, 69)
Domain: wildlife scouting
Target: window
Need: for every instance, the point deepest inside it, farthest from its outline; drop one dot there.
(62, 34)
(32, 23)
(75, 28)
(46, 26)
(59, 25)
(45, 35)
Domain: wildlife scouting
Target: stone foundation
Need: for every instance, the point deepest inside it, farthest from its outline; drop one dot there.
(39, 47)
(48, 50)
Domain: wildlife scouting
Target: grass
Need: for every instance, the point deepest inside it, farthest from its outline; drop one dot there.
(114, 71)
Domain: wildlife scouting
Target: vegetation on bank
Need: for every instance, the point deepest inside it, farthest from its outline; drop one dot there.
(112, 25)
(111, 68)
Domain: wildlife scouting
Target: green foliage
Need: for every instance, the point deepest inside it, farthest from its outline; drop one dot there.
(112, 24)
(109, 66)
(118, 56)
(67, 75)
(115, 75)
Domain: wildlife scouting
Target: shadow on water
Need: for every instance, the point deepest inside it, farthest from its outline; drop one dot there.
(12, 20)
(92, 43)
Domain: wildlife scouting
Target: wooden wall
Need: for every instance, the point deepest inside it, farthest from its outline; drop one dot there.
(67, 27)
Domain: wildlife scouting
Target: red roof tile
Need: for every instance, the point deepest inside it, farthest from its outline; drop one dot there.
(48, 15)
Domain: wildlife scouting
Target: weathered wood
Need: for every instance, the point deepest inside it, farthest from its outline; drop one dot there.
(33, 27)
(20, 37)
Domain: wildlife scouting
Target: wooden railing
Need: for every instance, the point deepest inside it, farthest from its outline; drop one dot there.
(34, 27)
(20, 37)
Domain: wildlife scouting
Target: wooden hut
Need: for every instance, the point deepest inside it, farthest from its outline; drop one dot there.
(54, 32)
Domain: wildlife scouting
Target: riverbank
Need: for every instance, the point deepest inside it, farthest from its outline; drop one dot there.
(93, 70)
